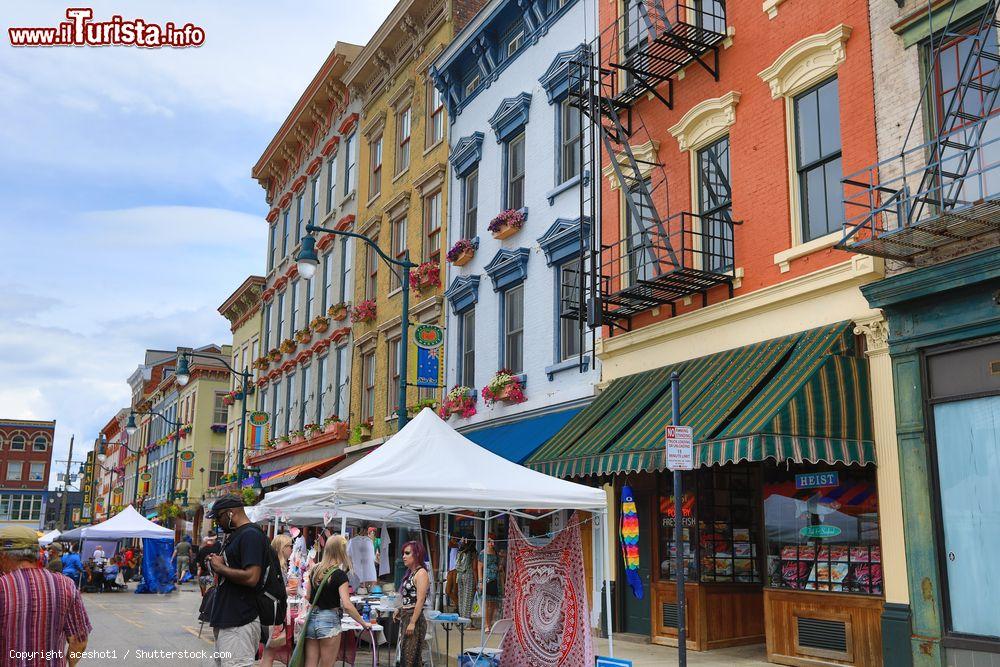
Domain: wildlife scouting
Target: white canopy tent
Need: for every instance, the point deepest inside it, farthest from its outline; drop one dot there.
(48, 538)
(127, 523)
(312, 516)
(430, 468)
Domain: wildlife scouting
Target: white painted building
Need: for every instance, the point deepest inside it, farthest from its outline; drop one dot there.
(514, 145)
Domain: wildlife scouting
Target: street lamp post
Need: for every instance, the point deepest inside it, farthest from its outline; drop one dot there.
(184, 375)
(307, 262)
(131, 428)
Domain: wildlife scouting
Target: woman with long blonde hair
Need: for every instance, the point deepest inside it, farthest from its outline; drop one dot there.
(275, 649)
(323, 627)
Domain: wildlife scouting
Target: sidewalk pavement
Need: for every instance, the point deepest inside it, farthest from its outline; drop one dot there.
(643, 654)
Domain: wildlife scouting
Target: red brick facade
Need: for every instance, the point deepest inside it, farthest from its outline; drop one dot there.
(758, 144)
(23, 443)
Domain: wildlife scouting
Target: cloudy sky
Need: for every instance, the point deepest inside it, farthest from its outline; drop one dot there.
(128, 210)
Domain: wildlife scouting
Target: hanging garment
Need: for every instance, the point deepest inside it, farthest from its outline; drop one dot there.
(384, 561)
(465, 570)
(546, 596)
(361, 551)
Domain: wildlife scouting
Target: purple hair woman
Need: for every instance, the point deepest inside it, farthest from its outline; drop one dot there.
(413, 593)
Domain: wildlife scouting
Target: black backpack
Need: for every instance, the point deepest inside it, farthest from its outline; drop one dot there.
(272, 598)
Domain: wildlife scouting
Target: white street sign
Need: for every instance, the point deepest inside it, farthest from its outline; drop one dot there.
(680, 448)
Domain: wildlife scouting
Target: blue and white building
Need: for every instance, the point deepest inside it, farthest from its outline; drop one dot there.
(515, 146)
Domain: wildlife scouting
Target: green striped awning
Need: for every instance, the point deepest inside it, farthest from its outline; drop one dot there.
(802, 398)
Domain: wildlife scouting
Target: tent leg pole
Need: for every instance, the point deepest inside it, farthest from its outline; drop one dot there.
(343, 526)
(606, 557)
(445, 560)
(482, 610)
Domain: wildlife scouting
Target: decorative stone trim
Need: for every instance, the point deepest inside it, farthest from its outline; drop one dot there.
(348, 124)
(374, 126)
(508, 268)
(398, 204)
(645, 154)
(807, 62)
(771, 8)
(431, 179)
(325, 240)
(463, 293)
(272, 215)
(314, 166)
(561, 241)
(345, 223)
(511, 116)
(299, 183)
(330, 146)
(285, 200)
(555, 80)
(467, 153)
(402, 96)
(706, 121)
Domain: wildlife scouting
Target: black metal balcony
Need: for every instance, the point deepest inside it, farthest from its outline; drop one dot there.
(688, 254)
(654, 39)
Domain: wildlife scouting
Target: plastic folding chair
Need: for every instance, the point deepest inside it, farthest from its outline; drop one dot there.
(501, 628)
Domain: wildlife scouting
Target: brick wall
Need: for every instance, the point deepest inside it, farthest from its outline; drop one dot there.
(30, 431)
(463, 11)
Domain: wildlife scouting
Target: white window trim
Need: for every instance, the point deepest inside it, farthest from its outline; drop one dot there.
(803, 65)
(704, 124)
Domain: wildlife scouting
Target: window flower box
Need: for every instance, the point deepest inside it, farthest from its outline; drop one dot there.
(283, 441)
(506, 224)
(274, 354)
(298, 437)
(335, 427)
(505, 387)
(304, 336)
(287, 346)
(364, 312)
(261, 363)
(427, 274)
(320, 324)
(459, 401)
(312, 430)
(462, 252)
(414, 410)
(338, 311)
(218, 428)
(366, 427)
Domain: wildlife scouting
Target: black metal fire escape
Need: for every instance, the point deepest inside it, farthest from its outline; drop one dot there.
(658, 258)
(946, 189)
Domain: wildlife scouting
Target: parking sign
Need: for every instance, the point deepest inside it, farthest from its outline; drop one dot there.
(680, 448)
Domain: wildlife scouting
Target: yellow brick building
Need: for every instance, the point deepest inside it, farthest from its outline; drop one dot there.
(402, 179)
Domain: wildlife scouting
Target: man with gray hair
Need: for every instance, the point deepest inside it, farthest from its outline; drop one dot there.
(41, 612)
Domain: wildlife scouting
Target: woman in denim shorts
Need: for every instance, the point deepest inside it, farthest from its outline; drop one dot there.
(323, 627)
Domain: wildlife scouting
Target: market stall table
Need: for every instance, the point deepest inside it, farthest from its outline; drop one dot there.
(446, 621)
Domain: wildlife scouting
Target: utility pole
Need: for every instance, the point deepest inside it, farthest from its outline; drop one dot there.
(62, 505)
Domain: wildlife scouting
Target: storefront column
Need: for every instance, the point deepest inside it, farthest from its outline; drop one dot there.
(921, 555)
(896, 613)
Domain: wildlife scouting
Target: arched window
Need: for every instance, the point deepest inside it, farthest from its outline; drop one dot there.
(17, 443)
(40, 443)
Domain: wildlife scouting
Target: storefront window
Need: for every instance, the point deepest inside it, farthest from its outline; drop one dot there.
(720, 522)
(822, 532)
(728, 525)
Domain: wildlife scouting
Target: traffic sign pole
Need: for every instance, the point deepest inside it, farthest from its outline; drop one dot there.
(675, 395)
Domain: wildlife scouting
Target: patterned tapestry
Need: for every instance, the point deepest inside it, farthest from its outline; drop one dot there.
(545, 594)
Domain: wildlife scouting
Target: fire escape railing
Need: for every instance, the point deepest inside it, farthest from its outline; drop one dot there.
(660, 257)
(948, 188)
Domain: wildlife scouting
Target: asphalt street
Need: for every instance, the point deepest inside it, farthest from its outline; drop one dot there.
(132, 629)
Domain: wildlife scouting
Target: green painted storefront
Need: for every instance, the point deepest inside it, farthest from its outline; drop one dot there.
(932, 312)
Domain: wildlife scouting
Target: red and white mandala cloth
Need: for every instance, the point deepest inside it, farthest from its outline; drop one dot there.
(545, 593)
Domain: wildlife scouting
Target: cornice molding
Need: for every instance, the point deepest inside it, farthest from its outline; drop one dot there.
(706, 121)
(807, 62)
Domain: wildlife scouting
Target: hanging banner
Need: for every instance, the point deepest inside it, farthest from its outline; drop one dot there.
(144, 480)
(257, 429)
(187, 464)
(429, 366)
(88, 481)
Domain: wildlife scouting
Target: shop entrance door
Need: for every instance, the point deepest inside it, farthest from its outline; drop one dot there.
(635, 613)
(965, 394)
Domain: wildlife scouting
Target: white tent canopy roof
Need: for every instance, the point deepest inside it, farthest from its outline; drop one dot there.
(313, 516)
(48, 538)
(429, 467)
(127, 523)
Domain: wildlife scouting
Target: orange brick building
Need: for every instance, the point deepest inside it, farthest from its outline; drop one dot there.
(721, 133)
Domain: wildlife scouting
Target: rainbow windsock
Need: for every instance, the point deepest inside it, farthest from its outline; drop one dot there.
(628, 532)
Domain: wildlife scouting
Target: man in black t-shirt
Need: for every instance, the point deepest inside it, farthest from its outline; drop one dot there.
(210, 546)
(234, 616)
